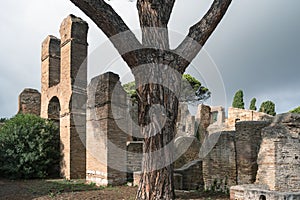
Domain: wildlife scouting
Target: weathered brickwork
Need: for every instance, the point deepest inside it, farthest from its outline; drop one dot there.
(236, 114)
(202, 120)
(30, 102)
(219, 166)
(279, 155)
(186, 150)
(64, 80)
(106, 142)
(248, 139)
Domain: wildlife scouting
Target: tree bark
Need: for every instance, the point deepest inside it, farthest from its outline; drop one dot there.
(158, 109)
(157, 71)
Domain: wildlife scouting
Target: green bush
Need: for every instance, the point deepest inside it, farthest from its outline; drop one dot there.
(29, 147)
(268, 107)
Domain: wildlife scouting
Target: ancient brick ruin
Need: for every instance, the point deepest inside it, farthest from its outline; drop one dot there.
(30, 102)
(62, 98)
(214, 152)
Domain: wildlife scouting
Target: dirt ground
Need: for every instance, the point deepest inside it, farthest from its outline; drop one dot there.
(77, 190)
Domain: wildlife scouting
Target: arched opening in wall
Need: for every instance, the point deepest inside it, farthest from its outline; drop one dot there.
(54, 115)
(262, 197)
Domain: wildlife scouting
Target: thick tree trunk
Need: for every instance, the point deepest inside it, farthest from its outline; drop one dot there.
(158, 108)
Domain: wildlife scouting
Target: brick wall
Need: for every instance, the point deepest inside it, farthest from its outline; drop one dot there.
(219, 166)
(248, 140)
(279, 155)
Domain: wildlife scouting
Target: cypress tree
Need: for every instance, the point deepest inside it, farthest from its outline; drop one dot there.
(238, 101)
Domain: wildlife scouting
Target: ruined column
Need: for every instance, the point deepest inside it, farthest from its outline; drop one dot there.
(72, 91)
(50, 70)
(30, 102)
(106, 141)
(247, 140)
(202, 120)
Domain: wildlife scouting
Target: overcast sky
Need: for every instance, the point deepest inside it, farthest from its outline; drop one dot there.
(255, 48)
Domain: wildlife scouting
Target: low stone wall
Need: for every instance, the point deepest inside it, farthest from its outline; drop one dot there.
(189, 177)
(219, 166)
(236, 114)
(260, 192)
(248, 139)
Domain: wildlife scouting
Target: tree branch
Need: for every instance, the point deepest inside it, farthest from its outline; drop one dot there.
(200, 32)
(113, 27)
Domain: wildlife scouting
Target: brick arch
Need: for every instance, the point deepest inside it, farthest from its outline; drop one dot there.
(54, 109)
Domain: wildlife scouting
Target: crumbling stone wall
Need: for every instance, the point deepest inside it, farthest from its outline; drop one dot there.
(106, 142)
(189, 176)
(63, 94)
(247, 141)
(279, 155)
(219, 166)
(30, 102)
(236, 114)
(186, 150)
(260, 192)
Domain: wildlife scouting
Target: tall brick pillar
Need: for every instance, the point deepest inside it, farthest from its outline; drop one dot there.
(64, 82)
(106, 142)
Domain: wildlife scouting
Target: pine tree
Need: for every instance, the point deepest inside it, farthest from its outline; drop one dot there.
(238, 101)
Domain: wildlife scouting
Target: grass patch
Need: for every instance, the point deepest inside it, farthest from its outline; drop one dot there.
(55, 187)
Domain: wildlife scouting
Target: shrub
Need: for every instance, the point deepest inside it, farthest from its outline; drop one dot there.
(268, 107)
(29, 147)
